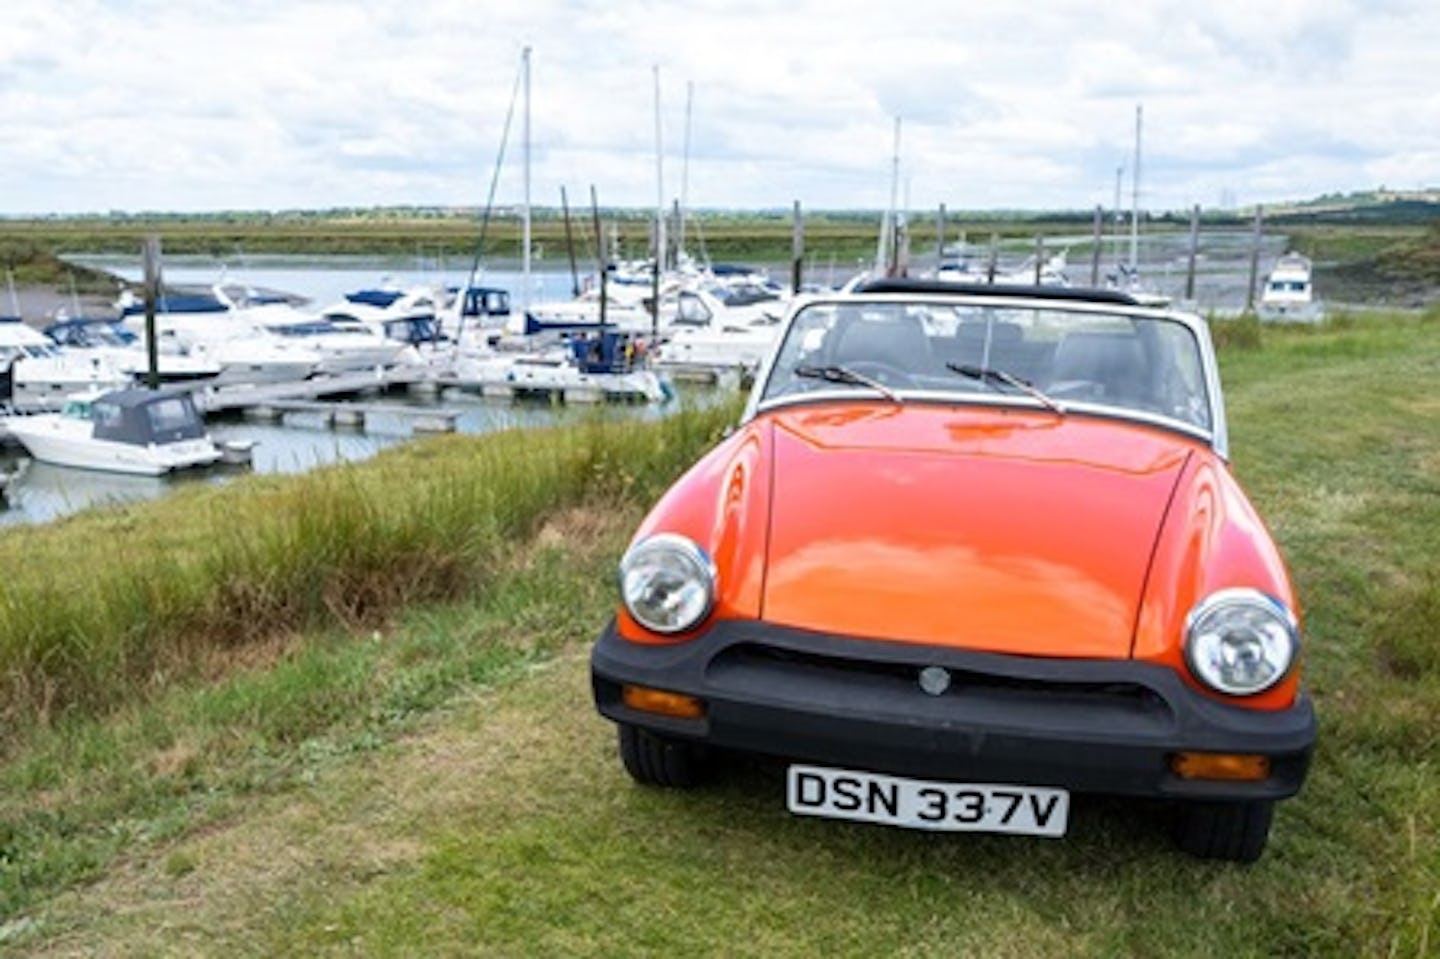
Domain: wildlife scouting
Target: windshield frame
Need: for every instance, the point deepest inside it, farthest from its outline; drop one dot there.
(1216, 435)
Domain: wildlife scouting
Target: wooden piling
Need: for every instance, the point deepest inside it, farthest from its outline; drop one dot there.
(1095, 241)
(150, 252)
(797, 250)
(1194, 253)
(940, 237)
(1254, 259)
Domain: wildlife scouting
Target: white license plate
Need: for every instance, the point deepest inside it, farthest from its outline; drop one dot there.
(923, 804)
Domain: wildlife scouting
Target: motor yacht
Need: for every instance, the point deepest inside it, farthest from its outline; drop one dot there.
(37, 374)
(718, 330)
(215, 326)
(1289, 292)
(137, 431)
(110, 340)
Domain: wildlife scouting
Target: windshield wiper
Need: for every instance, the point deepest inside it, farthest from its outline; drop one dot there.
(987, 374)
(841, 374)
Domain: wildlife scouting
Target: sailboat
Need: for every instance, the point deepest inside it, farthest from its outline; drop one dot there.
(1126, 277)
(579, 359)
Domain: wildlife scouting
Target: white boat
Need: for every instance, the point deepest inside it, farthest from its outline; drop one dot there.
(587, 368)
(711, 336)
(627, 307)
(1289, 292)
(37, 374)
(966, 265)
(217, 327)
(343, 345)
(114, 343)
(410, 315)
(138, 431)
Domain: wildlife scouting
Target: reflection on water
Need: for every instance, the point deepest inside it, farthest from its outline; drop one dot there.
(42, 492)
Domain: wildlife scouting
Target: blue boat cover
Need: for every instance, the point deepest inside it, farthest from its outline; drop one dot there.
(380, 298)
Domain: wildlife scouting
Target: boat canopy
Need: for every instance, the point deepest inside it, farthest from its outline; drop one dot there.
(374, 297)
(179, 303)
(141, 417)
(90, 331)
(485, 301)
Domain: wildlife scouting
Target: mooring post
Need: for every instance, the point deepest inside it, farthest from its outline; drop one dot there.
(1254, 259)
(940, 237)
(797, 250)
(1194, 253)
(150, 252)
(1095, 246)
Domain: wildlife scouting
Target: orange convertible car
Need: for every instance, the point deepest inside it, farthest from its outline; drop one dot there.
(971, 550)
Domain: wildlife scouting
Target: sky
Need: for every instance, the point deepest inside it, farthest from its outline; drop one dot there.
(208, 105)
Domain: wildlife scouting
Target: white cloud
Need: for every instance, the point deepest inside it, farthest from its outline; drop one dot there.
(266, 104)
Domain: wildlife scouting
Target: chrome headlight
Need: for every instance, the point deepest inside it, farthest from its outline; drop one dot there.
(1241, 641)
(667, 583)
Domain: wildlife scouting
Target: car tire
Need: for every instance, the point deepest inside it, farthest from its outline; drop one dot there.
(655, 760)
(1236, 831)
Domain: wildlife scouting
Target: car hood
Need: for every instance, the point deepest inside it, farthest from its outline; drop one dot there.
(996, 529)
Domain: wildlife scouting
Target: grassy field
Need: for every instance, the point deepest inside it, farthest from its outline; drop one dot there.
(421, 772)
(759, 237)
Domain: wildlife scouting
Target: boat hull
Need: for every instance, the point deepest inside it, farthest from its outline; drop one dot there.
(47, 439)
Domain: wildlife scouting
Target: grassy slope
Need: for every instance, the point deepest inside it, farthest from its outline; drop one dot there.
(443, 786)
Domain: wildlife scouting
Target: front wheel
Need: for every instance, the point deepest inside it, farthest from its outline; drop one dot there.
(1236, 831)
(655, 760)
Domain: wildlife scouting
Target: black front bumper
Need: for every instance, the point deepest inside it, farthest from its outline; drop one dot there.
(1108, 726)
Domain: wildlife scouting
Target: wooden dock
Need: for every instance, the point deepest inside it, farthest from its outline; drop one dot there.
(422, 419)
(223, 399)
(271, 401)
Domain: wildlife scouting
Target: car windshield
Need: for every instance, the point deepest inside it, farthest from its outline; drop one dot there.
(1093, 358)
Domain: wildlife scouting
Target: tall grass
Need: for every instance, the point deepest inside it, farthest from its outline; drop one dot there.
(102, 606)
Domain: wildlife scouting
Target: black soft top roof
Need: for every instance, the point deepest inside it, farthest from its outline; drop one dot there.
(944, 287)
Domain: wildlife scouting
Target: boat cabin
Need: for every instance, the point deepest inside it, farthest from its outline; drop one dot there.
(139, 417)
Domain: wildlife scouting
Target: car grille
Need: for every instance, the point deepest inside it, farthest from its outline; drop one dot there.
(890, 682)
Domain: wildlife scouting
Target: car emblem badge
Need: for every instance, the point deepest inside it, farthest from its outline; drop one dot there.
(934, 680)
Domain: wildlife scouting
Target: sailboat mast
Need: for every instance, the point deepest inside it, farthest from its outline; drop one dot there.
(685, 170)
(1118, 217)
(659, 187)
(525, 210)
(883, 259)
(1135, 197)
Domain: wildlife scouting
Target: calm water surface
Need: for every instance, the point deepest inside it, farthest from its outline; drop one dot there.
(41, 492)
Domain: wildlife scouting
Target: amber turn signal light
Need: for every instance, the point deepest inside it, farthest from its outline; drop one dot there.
(1233, 767)
(665, 703)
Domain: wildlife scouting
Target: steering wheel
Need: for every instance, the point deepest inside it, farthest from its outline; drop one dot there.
(882, 372)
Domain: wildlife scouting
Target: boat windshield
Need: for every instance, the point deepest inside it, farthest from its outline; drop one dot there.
(1130, 363)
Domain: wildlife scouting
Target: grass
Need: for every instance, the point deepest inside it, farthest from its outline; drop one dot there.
(214, 570)
(435, 781)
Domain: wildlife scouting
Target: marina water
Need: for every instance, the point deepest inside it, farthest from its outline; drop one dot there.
(42, 492)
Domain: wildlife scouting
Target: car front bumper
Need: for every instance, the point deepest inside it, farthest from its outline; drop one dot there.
(1106, 726)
